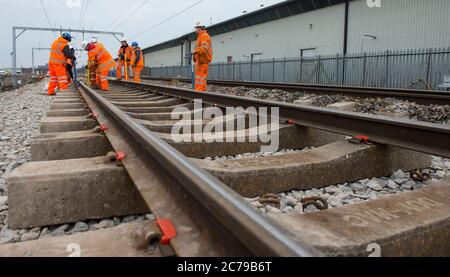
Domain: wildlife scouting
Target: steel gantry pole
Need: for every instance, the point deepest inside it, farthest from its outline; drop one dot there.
(23, 29)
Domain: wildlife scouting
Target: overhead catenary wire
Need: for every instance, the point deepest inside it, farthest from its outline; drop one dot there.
(46, 15)
(81, 12)
(168, 19)
(120, 14)
(130, 15)
(84, 14)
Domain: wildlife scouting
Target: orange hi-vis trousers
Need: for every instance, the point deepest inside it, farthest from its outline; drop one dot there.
(201, 74)
(120, 65)
(137, 73)
(102, 73)
(58, 78)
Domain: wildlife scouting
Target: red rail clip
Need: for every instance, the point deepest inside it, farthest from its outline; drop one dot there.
(120, 156)
(363, 138)
(167, 229)
(290, 122)
(103, 128)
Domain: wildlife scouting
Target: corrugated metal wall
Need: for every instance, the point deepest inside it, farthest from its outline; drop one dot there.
(399, 25)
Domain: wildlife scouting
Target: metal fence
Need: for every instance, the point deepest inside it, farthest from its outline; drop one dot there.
(424, 68)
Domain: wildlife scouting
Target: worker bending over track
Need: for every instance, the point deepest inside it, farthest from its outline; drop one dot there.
(137, 62)
(124, 60)
(100, 61)
(203, 56)
(59, 54)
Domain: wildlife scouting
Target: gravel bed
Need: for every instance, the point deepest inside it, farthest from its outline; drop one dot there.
(428, 113)
(350, 193)
(20, 113)
(258, 154)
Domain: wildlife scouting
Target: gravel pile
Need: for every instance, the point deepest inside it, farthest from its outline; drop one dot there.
(20, 113)
(427, 113)
(350, 193)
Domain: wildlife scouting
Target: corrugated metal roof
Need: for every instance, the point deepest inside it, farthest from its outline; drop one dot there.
(274, 12)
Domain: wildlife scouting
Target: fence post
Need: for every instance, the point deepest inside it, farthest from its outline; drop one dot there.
(364, 70)
(301, 70)
(337, 69)
(251, 69)
(219, 72)
(429, 67)
(387, 69)
(284, 70)
(233, 69)
(344, 63)
(240, 70)
(273, 70)
(260, 70)
(318, 69)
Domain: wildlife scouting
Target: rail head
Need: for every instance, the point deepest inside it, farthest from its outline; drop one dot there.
(419, 96)
(418, 136)
(261, 236)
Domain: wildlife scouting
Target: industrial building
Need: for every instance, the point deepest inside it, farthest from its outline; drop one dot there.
(305, 28)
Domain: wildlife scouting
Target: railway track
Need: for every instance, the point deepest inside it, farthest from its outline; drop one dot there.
(412, 95)
(105, 154)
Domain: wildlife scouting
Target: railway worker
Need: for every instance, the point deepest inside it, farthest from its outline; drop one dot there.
(101, 62)
(59, 54)
(137, 62)
(90, 68)
(124, 55)
(203, 55)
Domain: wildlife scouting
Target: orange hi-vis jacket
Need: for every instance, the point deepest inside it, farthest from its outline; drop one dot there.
(57, 52)
(100, 57)
(203, 53)
(140, 62)
(128, 52)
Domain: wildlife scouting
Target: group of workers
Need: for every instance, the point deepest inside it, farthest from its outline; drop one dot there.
(100, 62)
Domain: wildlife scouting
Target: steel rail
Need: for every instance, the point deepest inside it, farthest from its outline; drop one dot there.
(404, 133)
(418, 96)
(220, 214)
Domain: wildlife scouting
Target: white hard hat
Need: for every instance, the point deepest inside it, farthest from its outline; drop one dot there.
(122, 39)
(94, 40)
(84, 44)
(200, 24)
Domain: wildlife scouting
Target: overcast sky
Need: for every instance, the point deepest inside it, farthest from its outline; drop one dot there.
(106, 15)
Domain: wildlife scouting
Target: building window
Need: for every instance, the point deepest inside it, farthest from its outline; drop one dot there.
(308, 53)
(256, 57)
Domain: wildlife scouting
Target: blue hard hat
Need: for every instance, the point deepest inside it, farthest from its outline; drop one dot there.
(135, 44)
(67, 36)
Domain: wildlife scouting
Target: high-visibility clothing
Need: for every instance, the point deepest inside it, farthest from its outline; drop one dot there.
(137, 58)
(124, 53)
(57, 66)
(120, 65)
(58, 78)
(203, 56)
(203, 53)
(57, 52)
(137, 63)
(102, 62)
(201, 74)
(137, 74)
